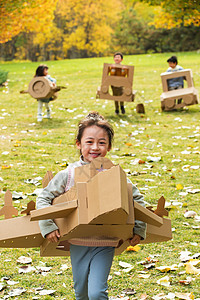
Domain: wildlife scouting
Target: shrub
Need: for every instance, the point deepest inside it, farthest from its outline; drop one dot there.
(3, 76)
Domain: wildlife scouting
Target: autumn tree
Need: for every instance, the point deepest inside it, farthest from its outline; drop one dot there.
(21, 16)
(88, 25)
(176, 13)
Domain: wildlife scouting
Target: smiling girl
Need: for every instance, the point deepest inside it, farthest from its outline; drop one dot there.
(90, 265)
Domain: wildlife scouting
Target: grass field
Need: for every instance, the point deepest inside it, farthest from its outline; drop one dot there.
(29, 149)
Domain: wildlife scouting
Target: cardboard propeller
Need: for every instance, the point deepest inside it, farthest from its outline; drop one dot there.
(121, 77)
(188, 96)
(42, 88)
(97, 211)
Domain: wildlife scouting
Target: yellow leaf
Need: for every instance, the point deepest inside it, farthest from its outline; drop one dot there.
(44, 133)
(179, 186)
(166, 268)
(186, 296)
(190, 269)
(164, 281)
(5, 167)
(135, 248)
(128, 144)
(60, 142)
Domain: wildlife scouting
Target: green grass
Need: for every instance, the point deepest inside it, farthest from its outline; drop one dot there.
(35, 148)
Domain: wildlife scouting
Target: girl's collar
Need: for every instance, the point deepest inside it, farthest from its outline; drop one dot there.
(82, 161)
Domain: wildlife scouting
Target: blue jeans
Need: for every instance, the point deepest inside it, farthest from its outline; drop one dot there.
(91, 267)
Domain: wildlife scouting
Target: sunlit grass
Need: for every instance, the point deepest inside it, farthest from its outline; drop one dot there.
(33, 148)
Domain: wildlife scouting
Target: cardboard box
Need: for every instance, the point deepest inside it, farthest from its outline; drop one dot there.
(122, 77)
(42, 88)
(98, 211)
(170, 99)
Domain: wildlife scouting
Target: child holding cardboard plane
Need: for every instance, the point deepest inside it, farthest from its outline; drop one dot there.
(94, 139)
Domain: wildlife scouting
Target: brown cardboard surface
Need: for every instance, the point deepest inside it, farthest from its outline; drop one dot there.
(98, 211)
(8, 210)
(189, 95)
(118, 81)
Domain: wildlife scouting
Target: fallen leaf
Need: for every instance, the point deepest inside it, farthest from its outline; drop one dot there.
(190, 214)
(46, 292)
(135, 248)
(24, 260)
(190, 269)
(124, 264)
(16, 292)
(167, 268)
(179, 186)
(26, 269)
(4, 167)
(164, 281)
(186, 281)
(185, 296)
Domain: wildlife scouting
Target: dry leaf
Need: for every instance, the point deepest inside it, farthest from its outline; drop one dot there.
(6, 167)
(167, 268)
(46, 292)
(24, 260)
(26, 269)
(190, 214)
(135, 248)
(186, 281)
(164, 281)
(185, 296)
(16, 292)
(179, 186)
(144, 276)
(124, 264)
(190, 269)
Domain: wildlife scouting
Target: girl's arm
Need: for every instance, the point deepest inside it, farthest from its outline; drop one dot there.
(140, 227)
(55, 188)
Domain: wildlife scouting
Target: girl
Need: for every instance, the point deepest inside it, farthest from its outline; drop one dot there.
(42, 70)
(90, 265)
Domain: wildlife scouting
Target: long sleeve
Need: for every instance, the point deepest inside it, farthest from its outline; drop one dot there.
(55, 188)
(140, 226)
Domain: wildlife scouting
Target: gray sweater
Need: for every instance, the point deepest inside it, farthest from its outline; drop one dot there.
(57, 187)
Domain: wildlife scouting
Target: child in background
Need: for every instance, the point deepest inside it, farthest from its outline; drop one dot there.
(175, 83)
(114, 71)
(42, 70)
(90, 265)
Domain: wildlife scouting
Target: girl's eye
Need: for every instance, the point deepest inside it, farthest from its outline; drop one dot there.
(102, 143)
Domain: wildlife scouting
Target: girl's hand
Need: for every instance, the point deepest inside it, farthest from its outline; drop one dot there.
(53, 236)
(135, 240)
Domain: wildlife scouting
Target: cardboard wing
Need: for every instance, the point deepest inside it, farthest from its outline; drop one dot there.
(97, 211)
(121, 78)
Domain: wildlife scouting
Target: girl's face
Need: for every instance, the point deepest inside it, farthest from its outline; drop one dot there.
(45, 72)
(94, 143)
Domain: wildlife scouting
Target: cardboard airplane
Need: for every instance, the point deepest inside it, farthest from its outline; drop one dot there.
(42, 88)
(109, 79)
(98, 210)
(188, 95)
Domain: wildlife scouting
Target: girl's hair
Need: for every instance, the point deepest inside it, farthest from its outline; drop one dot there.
(94, 118)
(40, 70)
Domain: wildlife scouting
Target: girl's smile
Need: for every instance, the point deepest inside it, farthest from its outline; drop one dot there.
(94, 143)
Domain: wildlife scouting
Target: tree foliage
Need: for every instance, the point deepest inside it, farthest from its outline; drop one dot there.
(87, 25)
(176, 13)
(20, 16)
